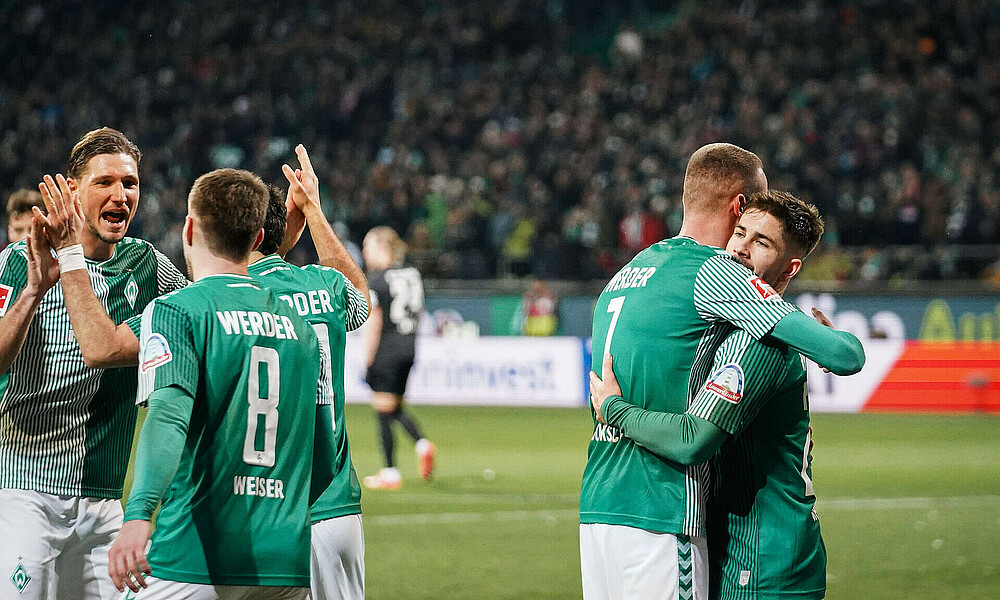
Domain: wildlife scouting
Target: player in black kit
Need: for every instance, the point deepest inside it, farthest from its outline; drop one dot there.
(397, 294)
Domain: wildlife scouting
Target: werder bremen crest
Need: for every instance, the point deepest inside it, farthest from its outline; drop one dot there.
(131, 292)
(20, 578)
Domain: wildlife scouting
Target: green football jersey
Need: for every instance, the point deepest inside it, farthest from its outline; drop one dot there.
(66, 428)
(662, 317)
(333, 306)
(236, 512)
(763, 531)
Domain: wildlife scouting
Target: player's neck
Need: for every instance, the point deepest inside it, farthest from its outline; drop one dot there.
(94, 248)
(203, 264)
(709, 230)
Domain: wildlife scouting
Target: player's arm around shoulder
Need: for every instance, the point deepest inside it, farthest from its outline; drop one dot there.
(725, 290)
(839, 352)
(682, 438)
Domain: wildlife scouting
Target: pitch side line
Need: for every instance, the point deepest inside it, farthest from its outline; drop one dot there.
(896, 503)
(554, 515)
(474, 517)
(472, 498)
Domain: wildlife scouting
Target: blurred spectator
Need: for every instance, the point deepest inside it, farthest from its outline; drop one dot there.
(19, 214)
(539, 313)
(496, 132)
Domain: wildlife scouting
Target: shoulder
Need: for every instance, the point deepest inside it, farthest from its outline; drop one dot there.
(133, 251)
(720, 259)
(403, 272)
(270, 265)
(376, 282)
(130, 245)
(15, 251)
(767, 358)
(328, 274)
(718, 266)
(13, 272)
(194, 298)
(180, 299)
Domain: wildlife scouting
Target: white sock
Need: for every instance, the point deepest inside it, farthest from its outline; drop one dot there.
(423, 446)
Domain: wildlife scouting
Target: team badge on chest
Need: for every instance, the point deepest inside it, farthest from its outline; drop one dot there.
(131, 292)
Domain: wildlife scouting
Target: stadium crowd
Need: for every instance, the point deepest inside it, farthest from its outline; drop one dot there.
(514, 137)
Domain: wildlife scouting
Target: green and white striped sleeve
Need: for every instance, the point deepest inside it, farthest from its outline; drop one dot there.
(353, 299)
(745, 373)
(13, 275)
(725, 290)
(168, 277)
(357, 306)
(167, 355)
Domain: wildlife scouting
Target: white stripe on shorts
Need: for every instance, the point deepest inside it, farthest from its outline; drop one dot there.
(627, 562)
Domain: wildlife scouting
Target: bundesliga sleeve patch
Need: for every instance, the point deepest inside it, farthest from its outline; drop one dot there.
(6, 293)
(155, 353)
(762, 289)
(727, 383)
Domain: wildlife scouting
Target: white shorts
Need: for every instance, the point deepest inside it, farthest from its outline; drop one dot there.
(56, 547)
(627, 562)
(338, 559)
(161, 589)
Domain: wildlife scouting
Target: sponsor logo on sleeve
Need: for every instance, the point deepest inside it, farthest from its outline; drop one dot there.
(727, 383)
(155, 353)
(763, 290)
(6, 293)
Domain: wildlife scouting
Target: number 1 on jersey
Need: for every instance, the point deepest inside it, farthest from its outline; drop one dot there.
(267, 406)
(615, 307)
(323, 333)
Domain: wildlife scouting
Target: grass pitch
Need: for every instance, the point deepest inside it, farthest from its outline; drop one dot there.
(909, 505)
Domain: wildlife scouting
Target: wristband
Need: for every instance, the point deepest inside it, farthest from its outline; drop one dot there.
(71, 258)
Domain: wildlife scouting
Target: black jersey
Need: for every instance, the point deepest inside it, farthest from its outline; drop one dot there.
(399, 291)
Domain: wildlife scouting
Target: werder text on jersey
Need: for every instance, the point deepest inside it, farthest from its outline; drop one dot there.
(244, 322)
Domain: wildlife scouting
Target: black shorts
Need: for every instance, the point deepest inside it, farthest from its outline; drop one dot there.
(389, 372)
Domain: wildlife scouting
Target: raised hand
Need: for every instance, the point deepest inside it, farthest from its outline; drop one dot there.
(64, 222)
(822, 318)
(43, 268)
(295, 224)
(303, 185)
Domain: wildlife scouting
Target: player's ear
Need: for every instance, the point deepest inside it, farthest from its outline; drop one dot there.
(739, 203)
(793, 267)
(260, 238)
(73, 186)
(187, 233)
